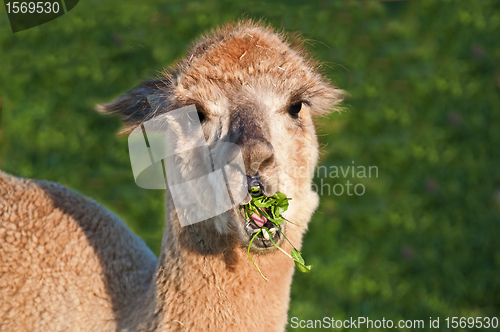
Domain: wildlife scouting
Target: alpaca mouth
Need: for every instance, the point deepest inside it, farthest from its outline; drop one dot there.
(263, 242)
(258, 232)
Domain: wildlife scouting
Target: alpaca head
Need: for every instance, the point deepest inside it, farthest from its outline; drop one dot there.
(253, 89)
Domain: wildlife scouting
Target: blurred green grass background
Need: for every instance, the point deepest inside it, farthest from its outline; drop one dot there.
(423, 79)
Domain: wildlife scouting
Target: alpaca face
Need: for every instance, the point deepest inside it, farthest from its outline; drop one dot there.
(251, 89)
(275, 134)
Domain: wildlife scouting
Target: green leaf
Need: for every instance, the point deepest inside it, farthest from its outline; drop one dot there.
(299, 261)
(303, 268)
(278, 220)
(262, 204)
(279, 196)
(274, 211)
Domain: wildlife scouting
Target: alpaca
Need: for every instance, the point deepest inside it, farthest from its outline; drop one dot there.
(68, 264)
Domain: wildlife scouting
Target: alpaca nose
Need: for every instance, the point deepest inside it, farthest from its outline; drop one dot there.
(257, 154)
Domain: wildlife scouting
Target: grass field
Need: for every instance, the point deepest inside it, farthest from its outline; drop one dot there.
(423, 79)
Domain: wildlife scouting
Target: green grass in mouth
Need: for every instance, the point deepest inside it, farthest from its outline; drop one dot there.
(272, 209)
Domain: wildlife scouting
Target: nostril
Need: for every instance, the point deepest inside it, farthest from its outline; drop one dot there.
(254, 186)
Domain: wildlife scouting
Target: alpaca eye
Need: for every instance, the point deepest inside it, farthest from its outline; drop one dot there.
(294, 109)
(201, 113)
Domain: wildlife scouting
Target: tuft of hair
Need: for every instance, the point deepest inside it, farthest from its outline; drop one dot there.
(139, 104)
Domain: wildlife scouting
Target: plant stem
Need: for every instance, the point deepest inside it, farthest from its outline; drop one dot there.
(250, 258)
(283, 251)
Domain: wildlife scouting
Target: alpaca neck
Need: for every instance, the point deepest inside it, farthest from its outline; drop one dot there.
(205, 282)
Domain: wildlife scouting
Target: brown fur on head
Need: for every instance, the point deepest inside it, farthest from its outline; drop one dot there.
(252, 88)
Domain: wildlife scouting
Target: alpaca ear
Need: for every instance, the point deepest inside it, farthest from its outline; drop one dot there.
(139, 104)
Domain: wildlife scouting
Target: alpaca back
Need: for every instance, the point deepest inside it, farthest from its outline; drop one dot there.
(66, 262)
